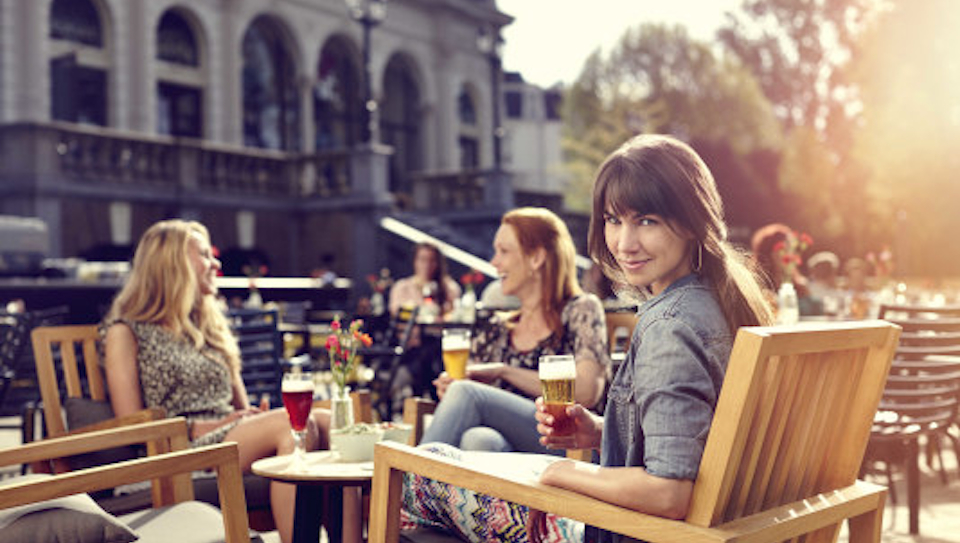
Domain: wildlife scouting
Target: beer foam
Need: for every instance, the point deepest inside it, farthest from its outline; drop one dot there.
(297, 386)
(454, 343)
(566, 369)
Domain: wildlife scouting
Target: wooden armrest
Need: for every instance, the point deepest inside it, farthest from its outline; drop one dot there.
(160, 437)
(224, 458)
(144, 415)
(392, 460)
(414, 409)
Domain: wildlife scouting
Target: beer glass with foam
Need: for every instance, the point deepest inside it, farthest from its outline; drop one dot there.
(456, 350)
(558, 373)
(297, 393)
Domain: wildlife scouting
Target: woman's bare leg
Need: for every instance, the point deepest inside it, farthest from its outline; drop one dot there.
(268, 434)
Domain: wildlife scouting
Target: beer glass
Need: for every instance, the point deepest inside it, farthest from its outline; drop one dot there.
(297, 393)
(456, 350)
(558, 373)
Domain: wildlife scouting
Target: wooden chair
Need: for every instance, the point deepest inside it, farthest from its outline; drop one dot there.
(780, 462)
(620, 324)
(171, 461)
(72, 352)
(82, 376)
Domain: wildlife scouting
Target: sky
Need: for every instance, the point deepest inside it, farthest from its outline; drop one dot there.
(549, 40)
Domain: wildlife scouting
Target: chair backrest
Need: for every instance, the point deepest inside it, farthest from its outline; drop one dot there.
(794, 416)
(620, 324)
(921, 397)
(65, 343)
(261, 352)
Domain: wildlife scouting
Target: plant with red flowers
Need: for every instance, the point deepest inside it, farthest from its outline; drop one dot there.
(342, 345)
(787, 253)
(471, 279)
(882, 264)
(380, 283)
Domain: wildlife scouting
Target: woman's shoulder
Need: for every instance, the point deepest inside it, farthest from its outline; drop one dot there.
(694, 305)
(584, 303)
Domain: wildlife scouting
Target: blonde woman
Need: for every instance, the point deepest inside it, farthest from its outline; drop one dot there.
(167, 344)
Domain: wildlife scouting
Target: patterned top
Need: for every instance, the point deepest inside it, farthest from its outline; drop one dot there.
(584, 335)
(181, 379)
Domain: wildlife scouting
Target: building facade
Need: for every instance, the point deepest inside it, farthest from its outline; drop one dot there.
(248, 115)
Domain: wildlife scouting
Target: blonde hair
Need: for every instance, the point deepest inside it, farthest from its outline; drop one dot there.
(537, 228)
(660, 175)
(162, 289)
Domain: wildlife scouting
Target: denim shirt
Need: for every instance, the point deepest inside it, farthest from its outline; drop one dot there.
(662, 398)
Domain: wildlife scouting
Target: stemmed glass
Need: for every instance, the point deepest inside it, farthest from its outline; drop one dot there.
(297, 393)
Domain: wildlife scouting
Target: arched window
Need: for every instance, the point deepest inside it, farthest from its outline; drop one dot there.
(78, 88)
(400, 122)
(469, 135)
(179, 78)
(76, 21)
(271, 102)
(336, 97)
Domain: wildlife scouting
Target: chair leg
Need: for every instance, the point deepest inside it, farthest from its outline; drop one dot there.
(913, 485)
(868, 527)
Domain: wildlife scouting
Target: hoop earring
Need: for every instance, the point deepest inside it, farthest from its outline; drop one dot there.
(696, 269)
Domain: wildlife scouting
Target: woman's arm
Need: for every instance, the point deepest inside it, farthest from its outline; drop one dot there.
(122, 373)
(632, 488)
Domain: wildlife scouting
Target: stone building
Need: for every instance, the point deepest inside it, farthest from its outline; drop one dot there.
(249, 116)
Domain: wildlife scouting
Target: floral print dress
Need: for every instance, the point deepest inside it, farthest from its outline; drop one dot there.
(180, 378)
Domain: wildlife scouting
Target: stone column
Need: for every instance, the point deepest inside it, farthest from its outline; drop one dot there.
(369, 176)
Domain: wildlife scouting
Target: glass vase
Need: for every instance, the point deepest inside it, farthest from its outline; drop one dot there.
(341, 409)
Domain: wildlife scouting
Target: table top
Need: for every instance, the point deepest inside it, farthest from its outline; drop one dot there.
(322, 467)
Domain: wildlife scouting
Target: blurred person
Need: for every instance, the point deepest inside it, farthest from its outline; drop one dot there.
(167, 344)
(823, 268)
(434, 291)
(492, 409)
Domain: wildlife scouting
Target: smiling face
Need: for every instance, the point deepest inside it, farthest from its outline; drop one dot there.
(515, 269)
(650, 252)
(205, 265)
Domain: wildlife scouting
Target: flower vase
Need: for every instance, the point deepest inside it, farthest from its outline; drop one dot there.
(788, 307)
(377, 304)
(341, 409)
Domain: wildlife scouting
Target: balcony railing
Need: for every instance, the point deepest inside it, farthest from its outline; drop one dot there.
(104, 157)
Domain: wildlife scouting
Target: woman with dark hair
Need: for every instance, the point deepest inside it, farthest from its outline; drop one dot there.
(657, 231)
(432, 289)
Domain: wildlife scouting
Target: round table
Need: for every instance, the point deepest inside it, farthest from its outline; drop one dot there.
(324, 470)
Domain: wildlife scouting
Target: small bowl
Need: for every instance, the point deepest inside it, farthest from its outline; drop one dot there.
(355, 443)
(397, 431)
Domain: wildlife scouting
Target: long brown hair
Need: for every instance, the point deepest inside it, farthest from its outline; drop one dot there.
(440, 273)
(162, 289)
(537, 228)
(653, 174)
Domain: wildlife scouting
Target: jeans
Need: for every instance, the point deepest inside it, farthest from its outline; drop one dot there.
(478, 417)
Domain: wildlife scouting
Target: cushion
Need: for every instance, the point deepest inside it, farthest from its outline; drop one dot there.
(74, 518)
(186, 522)
(82, 412)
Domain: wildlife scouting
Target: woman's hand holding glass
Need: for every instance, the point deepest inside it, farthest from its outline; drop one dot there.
(587, 428)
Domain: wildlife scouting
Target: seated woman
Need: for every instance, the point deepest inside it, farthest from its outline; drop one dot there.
(493, 408)
(657, 230)
(167, 344)
(431, 288)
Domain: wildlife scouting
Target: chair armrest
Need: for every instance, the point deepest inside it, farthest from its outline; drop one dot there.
(224, 458)
(414, 410)
(144, 415)
(392, 460)
(160, 437)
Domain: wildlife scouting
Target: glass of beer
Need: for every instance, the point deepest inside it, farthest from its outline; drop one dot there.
(456, 350)
(297, 392)
(558, 373)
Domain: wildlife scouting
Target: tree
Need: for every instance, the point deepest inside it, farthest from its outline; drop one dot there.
(658, 79)
(909, 134)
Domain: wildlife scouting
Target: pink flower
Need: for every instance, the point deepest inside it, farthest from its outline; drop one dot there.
(333, 343)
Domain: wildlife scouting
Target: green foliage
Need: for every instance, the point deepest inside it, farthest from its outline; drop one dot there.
(658, 79)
